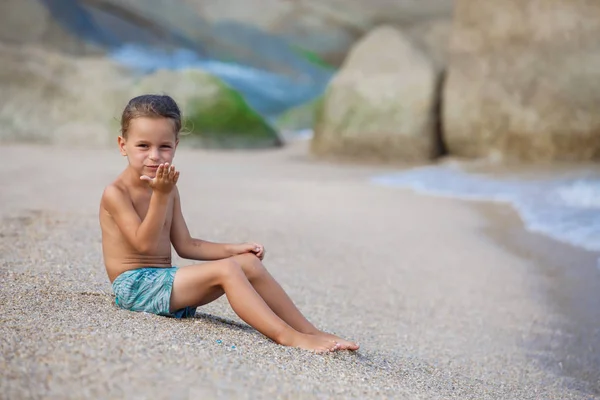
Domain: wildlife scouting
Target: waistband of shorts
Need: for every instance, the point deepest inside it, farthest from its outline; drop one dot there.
(137, 271)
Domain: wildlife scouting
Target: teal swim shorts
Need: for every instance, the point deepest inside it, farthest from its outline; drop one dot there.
(148, 290)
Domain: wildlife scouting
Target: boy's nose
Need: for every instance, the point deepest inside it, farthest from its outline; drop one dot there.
(153, 155)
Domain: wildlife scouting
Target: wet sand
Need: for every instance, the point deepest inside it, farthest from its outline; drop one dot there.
(443, 304)
(569, 280)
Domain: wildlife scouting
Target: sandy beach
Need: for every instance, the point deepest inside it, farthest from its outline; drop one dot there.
(448, 299)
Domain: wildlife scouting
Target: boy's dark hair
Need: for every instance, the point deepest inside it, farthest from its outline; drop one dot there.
(152, 106)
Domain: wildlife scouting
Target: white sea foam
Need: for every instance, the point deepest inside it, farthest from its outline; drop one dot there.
(567, 210)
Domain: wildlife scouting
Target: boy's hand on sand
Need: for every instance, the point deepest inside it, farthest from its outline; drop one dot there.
(165, 179)
(257, 249)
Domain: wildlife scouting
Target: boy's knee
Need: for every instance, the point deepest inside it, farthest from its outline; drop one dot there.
(231, 268)
(246, 258)
(251, 265)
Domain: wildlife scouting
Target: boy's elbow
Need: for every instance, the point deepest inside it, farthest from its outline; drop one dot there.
(143, 245)
(143, 248)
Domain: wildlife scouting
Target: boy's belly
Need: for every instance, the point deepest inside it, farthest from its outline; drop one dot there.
(115, 266)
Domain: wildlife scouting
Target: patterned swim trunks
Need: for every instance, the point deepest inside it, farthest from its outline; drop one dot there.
(148, 290)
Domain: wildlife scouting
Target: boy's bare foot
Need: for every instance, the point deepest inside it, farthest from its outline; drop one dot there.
(344, 344)
(318, 344)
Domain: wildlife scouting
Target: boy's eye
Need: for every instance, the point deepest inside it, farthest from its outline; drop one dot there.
(142, 145)
(166, 146)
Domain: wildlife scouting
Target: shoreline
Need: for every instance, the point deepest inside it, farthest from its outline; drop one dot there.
(567, 275)
(570, 283)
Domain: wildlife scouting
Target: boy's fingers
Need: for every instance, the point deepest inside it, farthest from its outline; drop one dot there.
(260, 251)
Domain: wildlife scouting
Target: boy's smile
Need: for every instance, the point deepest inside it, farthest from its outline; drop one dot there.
(149, 143)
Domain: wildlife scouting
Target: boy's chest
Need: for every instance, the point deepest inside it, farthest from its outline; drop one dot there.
(141, 204)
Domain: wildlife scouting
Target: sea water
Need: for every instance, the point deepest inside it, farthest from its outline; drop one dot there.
(565, 209)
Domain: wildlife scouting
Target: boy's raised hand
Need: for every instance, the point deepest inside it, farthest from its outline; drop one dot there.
(165, 179)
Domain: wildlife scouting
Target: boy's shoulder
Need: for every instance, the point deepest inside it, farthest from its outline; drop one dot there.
(113, 193)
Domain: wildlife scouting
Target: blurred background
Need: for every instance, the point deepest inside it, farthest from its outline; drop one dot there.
(385, 80)
(511, 83)
(246, 72)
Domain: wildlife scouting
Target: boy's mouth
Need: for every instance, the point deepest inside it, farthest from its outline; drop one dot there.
(152, 166)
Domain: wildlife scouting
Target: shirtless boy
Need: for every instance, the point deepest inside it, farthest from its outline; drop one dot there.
(140, 217)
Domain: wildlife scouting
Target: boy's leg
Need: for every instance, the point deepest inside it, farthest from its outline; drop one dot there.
(196, 284)
(273, 294)
(278, 300)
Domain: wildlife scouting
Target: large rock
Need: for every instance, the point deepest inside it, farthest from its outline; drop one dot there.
(30, 22)
(524, 81)
(214, 114)
(291, 44)
(433, 37)
(381, 104)
(327, 27)
(230, 27)
(49, 97)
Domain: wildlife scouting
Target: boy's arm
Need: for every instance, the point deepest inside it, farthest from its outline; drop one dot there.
(142, 235)
(195, 249)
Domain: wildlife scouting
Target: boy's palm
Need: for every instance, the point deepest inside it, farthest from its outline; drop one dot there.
(165, 179)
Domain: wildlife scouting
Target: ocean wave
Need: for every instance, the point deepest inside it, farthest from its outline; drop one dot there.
(563, 209)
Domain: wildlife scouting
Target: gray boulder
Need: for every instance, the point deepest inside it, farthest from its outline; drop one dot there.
(524, 81)
(381, 104)
(29, 22)
(49, 97)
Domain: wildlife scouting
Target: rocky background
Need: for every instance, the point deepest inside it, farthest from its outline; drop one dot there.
(384, 80)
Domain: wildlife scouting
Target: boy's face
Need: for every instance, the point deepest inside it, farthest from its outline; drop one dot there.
(150, 142)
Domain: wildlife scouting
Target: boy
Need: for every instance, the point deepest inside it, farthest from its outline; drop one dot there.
(140, 217)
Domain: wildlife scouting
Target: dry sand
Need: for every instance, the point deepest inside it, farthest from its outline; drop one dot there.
(440, 308)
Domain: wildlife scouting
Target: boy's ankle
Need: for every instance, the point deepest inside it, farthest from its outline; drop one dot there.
(286, 336)
(314, 331)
